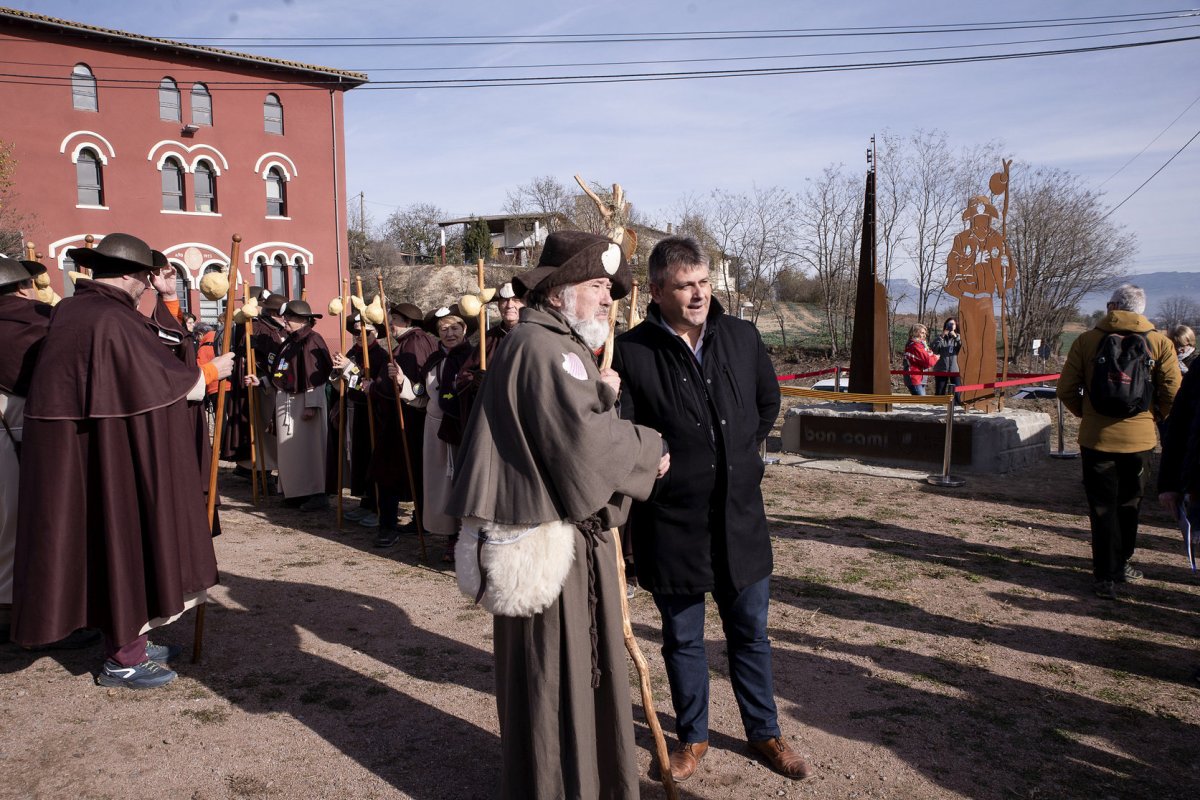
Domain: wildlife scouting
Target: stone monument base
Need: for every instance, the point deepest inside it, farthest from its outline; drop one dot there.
(915, 436)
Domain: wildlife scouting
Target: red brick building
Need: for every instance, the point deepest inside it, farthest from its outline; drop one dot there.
(180, 145)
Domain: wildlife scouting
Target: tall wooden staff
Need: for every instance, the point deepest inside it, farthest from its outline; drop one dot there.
(1000, 180)
(631, 645)
(482, 320)
(342, 402)
(214, 463)
(412, 483)
(251, 407)
(631, 320)
(366, 365)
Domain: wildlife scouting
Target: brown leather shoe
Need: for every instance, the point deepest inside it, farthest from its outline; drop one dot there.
(685, 758)
(781, 758)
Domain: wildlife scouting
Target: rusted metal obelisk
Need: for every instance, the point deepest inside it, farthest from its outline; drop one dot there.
(870, 346)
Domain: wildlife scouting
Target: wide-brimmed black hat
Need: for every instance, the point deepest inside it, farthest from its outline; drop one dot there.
(570, 257)
(160, 259)
(357, 318)
(12, 271)
(407, 310)
(298, 308)
(117, 254)
(34, 268)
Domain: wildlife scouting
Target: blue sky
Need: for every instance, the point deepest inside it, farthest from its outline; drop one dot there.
(462, 149)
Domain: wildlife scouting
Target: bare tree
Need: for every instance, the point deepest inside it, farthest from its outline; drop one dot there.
(830, 230)
(545, 196)
(1178, 310)
(414, 231)
(893, 204)
(1063, 247)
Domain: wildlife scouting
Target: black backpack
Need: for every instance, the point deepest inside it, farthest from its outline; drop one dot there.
(1122, 376)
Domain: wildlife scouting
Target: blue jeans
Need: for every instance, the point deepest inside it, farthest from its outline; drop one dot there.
(744, 619)
(914, 388)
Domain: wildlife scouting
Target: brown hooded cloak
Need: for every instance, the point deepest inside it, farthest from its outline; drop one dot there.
(111, 530)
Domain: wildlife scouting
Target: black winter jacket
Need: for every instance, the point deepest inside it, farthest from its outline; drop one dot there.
(703, 526)
(1179, 467)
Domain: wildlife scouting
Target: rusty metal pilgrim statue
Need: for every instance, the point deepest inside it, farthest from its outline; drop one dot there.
(980, 271)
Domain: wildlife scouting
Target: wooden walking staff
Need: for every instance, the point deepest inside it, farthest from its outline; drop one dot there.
(342, 402)
(251, 409)
(999, 184)
(366, 368)
(631, 645)
(214, 462)
(412, 483)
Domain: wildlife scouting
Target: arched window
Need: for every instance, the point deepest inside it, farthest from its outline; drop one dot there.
(296, 279)
(279, 276)
(204, 185)
(172, 185)
(201, 105)
(182, 289)
(276, 193)
(168, 101)
(211, 311)
(89, 179)
(260, 272)
(83, 88)
(273, 114)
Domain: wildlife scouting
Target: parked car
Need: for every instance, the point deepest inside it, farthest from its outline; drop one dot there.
(829, 384)
(1034, 393)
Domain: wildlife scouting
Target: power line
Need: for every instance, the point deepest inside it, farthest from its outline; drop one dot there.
(1151, 142)
(560, 80)
(667, 36)
(1152, 177)
(711, 59)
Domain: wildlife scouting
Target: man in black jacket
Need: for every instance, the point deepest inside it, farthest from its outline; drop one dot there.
(705, 382)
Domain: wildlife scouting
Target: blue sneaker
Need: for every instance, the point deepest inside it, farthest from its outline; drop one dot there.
(146, 675)
(162, 653)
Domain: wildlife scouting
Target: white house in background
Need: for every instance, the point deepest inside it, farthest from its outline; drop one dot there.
(514, 236)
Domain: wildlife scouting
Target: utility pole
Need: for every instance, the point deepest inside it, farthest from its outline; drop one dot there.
(362, 214)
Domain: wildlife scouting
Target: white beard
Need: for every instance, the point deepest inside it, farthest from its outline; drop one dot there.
(594, 332)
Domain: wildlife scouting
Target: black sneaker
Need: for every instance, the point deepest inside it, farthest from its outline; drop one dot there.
(162, 653)
(1105, 590)
(147, 675)
(387, 537)
(316, 502)
(408, 527)
(1130, 574)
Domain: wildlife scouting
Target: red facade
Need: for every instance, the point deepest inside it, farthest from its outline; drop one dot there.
(243, 145)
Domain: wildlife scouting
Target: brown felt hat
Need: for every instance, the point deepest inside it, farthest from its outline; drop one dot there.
(297, 308)
(271, 303)
(117, 254)
(407, 310)
(570, 257)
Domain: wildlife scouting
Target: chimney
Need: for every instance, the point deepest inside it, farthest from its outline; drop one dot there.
(669, 226)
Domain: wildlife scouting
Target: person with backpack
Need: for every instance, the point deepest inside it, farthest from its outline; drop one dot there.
(1120, 378)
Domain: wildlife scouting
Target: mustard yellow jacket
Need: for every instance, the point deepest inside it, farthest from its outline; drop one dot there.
(1111, 434)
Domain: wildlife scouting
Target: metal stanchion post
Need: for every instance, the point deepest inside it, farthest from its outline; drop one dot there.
(762, 453)
(837, 378)
(946, 479)
(1062, 451)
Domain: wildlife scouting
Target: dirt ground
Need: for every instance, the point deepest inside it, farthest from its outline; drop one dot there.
(929, 643)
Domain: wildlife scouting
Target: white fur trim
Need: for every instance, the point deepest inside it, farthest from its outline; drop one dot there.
(525, 566)
(611, 259)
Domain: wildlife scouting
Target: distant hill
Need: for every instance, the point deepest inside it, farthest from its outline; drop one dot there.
(1158, 285)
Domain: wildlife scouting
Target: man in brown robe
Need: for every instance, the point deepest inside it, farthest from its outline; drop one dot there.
(23, 324)
(299, 372)
(470, 376)
(412, 347)
(547, 460)
(112, 532)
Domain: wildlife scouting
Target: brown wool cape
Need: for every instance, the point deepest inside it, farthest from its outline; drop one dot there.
(411, 350)
(23, 324)
(300, 371)
(545, 443)
(111, 530)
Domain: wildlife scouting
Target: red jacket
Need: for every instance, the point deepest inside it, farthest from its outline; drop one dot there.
(917, 359)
